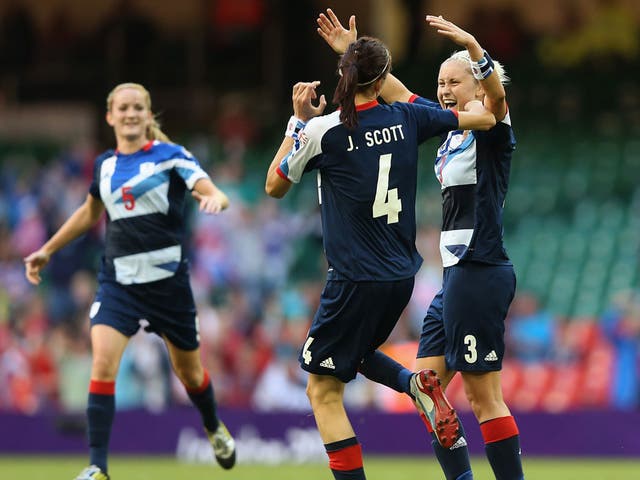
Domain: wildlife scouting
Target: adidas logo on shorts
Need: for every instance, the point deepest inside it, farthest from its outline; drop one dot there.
(491, 356)
(328, 363)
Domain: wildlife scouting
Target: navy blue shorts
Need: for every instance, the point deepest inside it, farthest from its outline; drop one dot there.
(465, 321)
(165, 307)
(353, 320)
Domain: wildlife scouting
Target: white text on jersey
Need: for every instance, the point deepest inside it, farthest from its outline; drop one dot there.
(378, 137)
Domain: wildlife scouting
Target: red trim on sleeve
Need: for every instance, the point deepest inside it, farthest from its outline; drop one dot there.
(282, 174)
(203, 386)
(455, 112)
(348, 458)
(412, 98)
(498, 429)
(102, 388)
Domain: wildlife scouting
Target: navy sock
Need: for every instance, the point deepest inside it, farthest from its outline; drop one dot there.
(383, 369)
(204, 400)
(502, 446)
(345, 459)
(454, 462)
(101, 409)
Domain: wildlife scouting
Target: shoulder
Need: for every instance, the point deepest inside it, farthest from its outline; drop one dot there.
(104, 156)
(418, 100)
(318, 126)
(166, 150)
(500, 133)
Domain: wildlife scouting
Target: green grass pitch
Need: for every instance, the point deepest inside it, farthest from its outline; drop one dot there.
(377, 468)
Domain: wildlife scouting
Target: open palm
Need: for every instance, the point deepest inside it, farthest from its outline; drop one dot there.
(332, 31)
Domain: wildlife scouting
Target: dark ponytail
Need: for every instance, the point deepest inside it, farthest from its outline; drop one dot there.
(365, 61)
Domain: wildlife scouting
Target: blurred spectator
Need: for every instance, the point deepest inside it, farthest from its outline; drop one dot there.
(143, 379)
(531, 330)
(621, 324)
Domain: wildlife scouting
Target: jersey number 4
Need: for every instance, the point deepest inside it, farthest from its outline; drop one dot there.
(386, 201)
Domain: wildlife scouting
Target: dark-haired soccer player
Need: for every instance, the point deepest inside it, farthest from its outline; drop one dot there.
(365, 155)
(464, 326)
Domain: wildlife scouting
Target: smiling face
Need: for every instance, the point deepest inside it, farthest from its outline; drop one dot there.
(456, 85)
(129, 114)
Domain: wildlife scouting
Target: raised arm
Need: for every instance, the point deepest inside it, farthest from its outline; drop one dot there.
(495, 95)
(85, 217)
(339, 38)
(276, 184)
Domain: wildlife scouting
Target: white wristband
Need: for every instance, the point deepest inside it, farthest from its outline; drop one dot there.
(294, 126)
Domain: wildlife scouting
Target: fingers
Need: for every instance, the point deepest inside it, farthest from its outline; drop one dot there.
(210, 205)
(322, 105)
(352, 23)
(324, 23)
(334, 19)
(32, 272)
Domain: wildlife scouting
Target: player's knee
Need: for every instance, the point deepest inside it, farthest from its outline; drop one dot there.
(190, 377)
(104, 369)
(321, 395)
(485, 405)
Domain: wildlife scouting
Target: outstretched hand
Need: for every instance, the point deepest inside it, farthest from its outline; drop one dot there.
(450, 30)
(208, 203)
(33, 264)
(303, 94)
(332, 31)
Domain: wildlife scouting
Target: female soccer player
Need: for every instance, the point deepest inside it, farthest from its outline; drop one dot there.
(464, 326)
(145, 271)
(366, 156)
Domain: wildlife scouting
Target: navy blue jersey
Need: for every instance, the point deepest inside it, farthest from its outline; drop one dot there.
(143, 194)
(473, 170)
(367, 185)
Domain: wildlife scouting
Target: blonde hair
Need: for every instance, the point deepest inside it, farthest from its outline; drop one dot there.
(153, 130)
(462, 56)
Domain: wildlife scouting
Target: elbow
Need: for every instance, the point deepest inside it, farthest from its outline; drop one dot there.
(272, 191)
(488, 122)
(491, 122)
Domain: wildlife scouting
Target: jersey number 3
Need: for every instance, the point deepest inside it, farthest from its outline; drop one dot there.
(386, 201)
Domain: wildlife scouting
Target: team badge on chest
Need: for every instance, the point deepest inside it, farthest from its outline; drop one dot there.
(147, 168)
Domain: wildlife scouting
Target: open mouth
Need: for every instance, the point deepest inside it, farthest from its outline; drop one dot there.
(449, 104)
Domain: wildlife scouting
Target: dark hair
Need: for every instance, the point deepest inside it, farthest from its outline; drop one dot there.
(365, 61)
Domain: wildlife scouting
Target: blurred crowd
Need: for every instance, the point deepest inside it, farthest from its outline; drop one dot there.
(258, 269)
(257, 272)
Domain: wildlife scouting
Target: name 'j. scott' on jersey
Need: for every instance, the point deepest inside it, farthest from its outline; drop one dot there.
(144, 194)
(367, 185)
(473, 170)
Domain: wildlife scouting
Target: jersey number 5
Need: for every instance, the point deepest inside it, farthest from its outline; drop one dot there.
(386, 201)
(128, 199)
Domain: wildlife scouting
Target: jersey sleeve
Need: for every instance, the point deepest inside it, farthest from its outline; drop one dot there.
(500, 135)
(418, 100)
(433, 121)
(302, 157)
(94, 188)
(188, 167)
